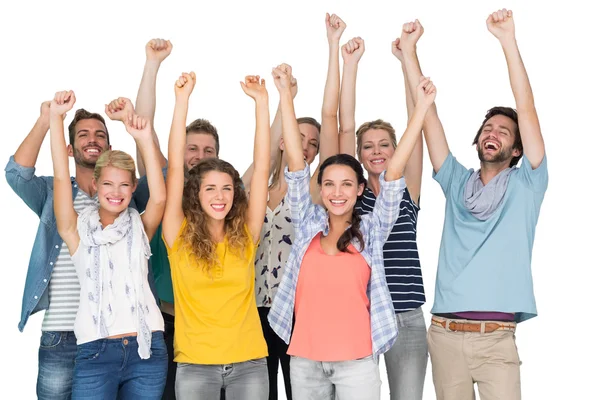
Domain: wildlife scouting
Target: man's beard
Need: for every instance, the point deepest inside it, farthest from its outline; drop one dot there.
(81, 161)
(500, 157)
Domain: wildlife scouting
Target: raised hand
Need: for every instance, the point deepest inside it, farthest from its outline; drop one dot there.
(119, 109)
(158, 49)
(426, 92)
(254, 87)
(501, 24)
(294, 84)
(62, 103)
(411, 32)
(335, 27)
(282, 74)
(353, 50)
(138, 127)
(397, 50)
(185, 85)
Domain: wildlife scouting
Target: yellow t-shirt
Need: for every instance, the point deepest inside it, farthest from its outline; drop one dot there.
(216, 319)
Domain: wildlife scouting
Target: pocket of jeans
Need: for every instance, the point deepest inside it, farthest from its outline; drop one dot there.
(259, 361)
(158, 347)
(90, 351)
(50, 339)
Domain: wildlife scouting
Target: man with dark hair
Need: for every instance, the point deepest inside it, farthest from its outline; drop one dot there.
(484, 284)
(51, 282)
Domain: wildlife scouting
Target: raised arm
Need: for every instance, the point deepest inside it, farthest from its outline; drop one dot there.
(173, 217)
(501, 24)
(413, 173)
(145, 103)
(351, 53)
(425, 92)
(291, 132)
(140, 129)
(257, 202)
(66, 217)
(275, 134)
(432, 126)
(27, 153)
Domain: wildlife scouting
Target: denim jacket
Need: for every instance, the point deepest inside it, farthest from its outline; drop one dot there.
(37, 193)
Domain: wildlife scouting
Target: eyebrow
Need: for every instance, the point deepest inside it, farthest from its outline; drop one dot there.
(489, 124)
(87, 130)
(213, 185)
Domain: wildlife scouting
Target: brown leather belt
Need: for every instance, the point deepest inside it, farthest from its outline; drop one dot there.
(472, 326)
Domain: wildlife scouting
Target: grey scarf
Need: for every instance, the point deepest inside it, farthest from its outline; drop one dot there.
(482, 200)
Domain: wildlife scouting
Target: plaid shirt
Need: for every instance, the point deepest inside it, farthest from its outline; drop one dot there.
(310, 219)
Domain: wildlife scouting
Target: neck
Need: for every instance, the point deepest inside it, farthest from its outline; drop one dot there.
(339, 223)
(84, 177)
(490, 170)
(107, 217)
(373, 183)
(217, 229)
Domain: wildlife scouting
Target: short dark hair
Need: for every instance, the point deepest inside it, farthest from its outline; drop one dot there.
(84, 114)
(202, 125)
(512, 114)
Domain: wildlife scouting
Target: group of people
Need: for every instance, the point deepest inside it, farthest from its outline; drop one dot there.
(194, 281)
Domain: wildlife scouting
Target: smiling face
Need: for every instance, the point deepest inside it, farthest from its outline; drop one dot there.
(90, 141)
(216, 194)
(376, 149)
(198, 146)
(340, 189)
(497, 140)
(115, 188)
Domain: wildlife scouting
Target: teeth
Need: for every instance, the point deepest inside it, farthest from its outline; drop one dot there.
(338, 201)
(218, 207)
(115, 201)
(92, 150)
(378, 161)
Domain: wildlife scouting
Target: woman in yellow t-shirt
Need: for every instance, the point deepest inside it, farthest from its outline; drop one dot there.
(211, 229)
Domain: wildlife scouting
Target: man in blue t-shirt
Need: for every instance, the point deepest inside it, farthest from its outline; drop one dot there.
(484, 283)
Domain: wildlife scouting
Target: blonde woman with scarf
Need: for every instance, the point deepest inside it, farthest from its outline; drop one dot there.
(119, 328)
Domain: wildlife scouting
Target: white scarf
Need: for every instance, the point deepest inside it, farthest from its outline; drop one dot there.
(101, 262)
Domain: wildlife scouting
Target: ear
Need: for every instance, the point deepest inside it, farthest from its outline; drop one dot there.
(516, 152)
(95, 185)
(134, 187)
(281, 144)
(70, 150)
(361, 189)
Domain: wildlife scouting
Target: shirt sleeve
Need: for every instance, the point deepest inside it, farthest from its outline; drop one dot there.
(298, 197)
(32, 189)
(387, 205)
(536, 179)
(451, 171)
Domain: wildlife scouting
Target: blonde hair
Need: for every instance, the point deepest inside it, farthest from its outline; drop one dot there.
(377, 124)
(279, 157)
(118, 159)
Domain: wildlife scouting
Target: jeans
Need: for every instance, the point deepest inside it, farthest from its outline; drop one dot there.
(56, 360)
(107, 368)
(277, 354)
(342, 380)
(248, 380)
(406, 361)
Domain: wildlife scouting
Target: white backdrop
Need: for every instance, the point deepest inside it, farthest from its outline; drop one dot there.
(97, 50)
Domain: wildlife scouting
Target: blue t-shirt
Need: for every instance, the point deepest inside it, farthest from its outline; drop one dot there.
(486, 265)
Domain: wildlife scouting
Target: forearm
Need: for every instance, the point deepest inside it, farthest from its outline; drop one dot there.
(329, 144)
(177, 135)
(27, 153)
(145, 104)
(519, 81)
(406, 144)
(347, 138)
(156, 183)
(291, 132)
(262, 138)
(66, 220)
(413, 172)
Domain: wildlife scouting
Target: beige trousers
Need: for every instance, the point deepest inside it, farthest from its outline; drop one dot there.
(460, 359)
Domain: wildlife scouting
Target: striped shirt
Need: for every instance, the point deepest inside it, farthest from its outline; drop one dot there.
(400, 254)
(309, 220)
(63, 290)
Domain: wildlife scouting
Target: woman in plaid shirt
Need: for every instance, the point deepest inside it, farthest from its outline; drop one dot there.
(334, 281)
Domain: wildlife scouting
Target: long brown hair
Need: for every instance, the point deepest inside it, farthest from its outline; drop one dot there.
(196, 234)
(279, 158)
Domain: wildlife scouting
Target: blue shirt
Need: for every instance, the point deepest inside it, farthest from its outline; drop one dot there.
(309, 220)
(486, 265)
(37, 193)
(400, 254)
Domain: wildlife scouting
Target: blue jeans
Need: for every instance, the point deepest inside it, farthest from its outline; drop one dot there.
(342, 380)
(248, 380)
(107, 368)
(406, 361)
(56, 360)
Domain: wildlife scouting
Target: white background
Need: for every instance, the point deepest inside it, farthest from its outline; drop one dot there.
(97, 50)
